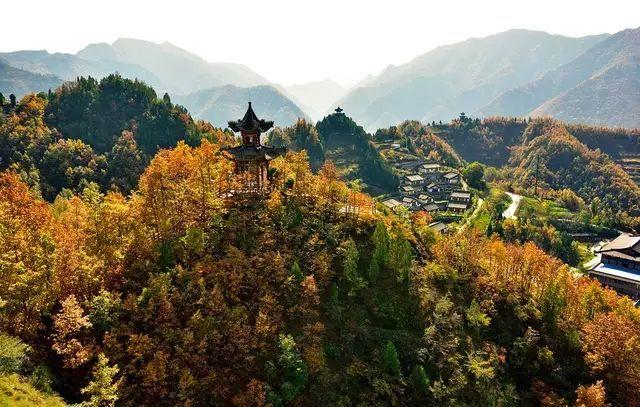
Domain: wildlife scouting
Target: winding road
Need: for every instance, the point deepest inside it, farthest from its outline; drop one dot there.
(510, 212)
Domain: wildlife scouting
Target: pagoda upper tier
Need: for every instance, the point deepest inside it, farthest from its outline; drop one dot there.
(250, 124)
(251, 148)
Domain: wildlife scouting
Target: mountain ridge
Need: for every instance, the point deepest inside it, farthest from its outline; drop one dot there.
(526, 99)
(476, 71)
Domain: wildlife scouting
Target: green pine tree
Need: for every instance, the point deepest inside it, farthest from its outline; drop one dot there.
(419, 381)
(390, 360)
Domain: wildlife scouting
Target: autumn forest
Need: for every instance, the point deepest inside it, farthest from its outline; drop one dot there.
(133, 273)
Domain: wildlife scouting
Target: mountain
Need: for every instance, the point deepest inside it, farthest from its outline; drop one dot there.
(164, 66)
(20, 82)
(68, 66)
(610, 98)
(460, 77)
(317, 96)
(575, 91)
(220, 104)
(178, 70)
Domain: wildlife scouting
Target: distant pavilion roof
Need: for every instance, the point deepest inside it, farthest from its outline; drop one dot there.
(339, 110)
(250, 123)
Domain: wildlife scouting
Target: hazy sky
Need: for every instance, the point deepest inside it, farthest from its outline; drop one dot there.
(294, 41)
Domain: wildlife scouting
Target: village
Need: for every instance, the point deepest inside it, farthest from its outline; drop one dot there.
(426, 185)
(442, 192)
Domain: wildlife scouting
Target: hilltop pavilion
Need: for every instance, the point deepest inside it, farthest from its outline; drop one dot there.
(251, 157)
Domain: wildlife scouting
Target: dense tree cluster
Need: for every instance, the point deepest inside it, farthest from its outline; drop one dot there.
(421, 140)
(487, 141)
(557, 160)
(185, 294)
(339, 139)
(300, 136)
(90, 131)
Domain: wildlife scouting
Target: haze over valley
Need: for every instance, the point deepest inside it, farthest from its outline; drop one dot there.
(518, 73)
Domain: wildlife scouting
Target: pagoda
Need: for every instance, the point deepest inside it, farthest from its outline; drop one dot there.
(251, 157)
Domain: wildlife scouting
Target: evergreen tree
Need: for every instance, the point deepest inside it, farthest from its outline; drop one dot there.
(380, 255)
(350, 266)
(390, 360)
(419, 381)
(400, 256)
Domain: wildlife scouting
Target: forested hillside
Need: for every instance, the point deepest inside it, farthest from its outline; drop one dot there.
(337, 138)
(423, 142)
(142, 300)
(93, 132)
(599, 164)
(558, 160)
(133, 274)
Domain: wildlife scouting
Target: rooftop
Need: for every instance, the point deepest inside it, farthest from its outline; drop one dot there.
(415, 177)
(454, 205)
(617, 272)
(391, 203)
(622, 242)
(450, 175)
(438, 226)
(430, 207)
(461, 194)
(250, 123)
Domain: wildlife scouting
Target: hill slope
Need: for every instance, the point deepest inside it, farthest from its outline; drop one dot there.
(220, 104)
(607, 70)
(19, 82)
(69, 66)
(460, 77)
(611, 97)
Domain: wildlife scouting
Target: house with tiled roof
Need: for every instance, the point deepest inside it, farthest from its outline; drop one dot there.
(619, 266)
(391, 203)
(414, 179)
(452, 177)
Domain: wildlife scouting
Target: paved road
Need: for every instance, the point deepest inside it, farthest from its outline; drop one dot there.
(510, 212)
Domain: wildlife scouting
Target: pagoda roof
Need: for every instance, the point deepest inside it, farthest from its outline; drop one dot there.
(255, 153)
(250, 123)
